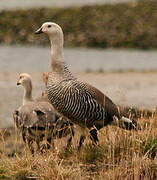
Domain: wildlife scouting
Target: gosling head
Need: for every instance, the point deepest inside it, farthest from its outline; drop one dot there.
(24, 80)
(50, 29)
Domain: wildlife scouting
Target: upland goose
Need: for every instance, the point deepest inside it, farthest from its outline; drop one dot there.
(37, 119)
(93, 132)
(80, 102)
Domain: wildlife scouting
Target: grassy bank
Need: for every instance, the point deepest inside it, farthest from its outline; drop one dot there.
(130, 25)
(121, 154)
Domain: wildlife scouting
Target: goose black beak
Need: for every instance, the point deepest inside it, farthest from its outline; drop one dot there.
(39, 31)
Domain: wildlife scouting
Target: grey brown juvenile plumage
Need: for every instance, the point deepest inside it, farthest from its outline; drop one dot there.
(80, 102)
(37, 118)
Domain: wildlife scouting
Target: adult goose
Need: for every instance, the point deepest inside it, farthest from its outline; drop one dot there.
(93, 132)
(37, 119)
(80, 102)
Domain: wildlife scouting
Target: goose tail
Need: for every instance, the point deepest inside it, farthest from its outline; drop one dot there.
(126, 123)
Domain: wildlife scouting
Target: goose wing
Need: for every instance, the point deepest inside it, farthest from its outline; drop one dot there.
(102, 99)
(17, 118)
(35, 114)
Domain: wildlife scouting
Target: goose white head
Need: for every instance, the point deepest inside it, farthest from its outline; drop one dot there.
(55, 34)
(49, 28)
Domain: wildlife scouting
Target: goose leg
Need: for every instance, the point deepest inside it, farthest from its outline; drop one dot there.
(94, 136)
(24, 136)
(69, 142)
(30, 145)
(47, 145)
(38, 144)
(81, 141)
(50, 143)
(28, 140)
(72, 133)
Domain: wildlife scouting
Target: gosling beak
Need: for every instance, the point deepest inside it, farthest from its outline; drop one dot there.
(39, 31)
(18, 83)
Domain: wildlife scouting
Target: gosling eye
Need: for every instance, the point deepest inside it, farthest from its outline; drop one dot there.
(49, 26)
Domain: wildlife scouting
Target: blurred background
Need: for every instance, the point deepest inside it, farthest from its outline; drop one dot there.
(108, 43)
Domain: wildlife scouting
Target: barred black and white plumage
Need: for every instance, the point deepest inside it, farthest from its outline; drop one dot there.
(80, 102)
(72, 99)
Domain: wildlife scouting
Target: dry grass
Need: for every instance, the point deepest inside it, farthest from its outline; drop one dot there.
(121, 155)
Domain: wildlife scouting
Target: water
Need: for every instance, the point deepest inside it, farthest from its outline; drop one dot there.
(36, 59)
(133, 89)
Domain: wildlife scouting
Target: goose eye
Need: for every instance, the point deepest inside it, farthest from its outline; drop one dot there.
(49, 26)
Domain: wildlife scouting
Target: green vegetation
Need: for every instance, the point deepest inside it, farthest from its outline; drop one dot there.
(150, 147)
(130, 25)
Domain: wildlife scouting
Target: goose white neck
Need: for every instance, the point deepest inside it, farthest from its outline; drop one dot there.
(56, 48)
(27, 97)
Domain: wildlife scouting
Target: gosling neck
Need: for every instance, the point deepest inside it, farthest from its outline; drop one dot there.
(27, 97)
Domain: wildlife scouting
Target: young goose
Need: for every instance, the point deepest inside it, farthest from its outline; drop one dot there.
(80, 102)
(37, 119)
